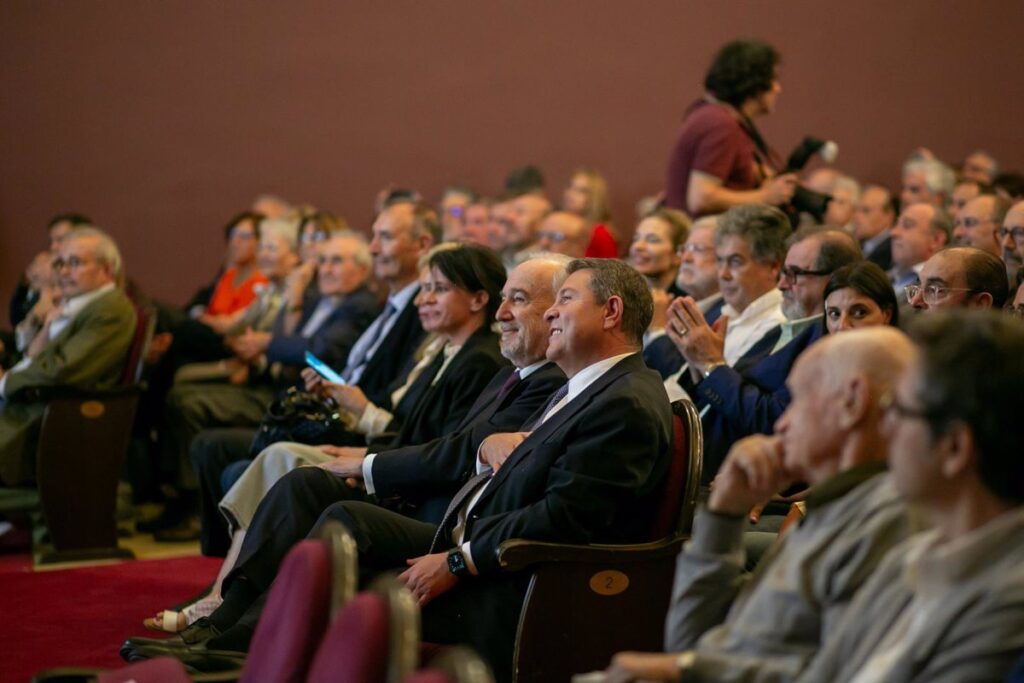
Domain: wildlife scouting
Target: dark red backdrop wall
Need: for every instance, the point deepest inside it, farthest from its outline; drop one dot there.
(162, 119)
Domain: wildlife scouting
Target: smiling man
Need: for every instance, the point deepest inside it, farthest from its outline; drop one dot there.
(576, 473)
(82, 344)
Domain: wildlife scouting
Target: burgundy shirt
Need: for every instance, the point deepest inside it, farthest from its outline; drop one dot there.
(711, 141)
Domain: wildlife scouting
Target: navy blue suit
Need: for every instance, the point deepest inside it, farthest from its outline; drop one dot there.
(663, 356)
(741, 403)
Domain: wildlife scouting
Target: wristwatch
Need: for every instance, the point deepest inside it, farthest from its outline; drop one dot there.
(711, 368)
(457, 563)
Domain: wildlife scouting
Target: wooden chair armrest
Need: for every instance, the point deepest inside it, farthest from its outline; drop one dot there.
(517, 554)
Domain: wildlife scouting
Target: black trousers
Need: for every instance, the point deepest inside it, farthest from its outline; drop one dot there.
(211, 452)
(480, 612)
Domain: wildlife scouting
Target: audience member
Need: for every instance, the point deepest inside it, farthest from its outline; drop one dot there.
(927, 180)
(719, 159)
(980, 166)
(1010, 185)
(475, 225)
(964, 191)
(766, 626)
(587, 197)
(403, 233)
(844, 192)
(859, 295)
(236, 287)
(654, 252)
(947, 604)
(960, 277)
(272, 206)
(872, 223)
(921, 231)
(82, 344)
(977, 224)
(563, 233)
(1011, 238)
(454, 201)
(546, 485)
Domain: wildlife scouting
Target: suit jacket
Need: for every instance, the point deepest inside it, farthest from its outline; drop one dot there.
(333, 339)
(393, 358)
(662, 354)
(429, 410)
(88, 354)
(437, 466)
(741, 403)
(882, 254)
(588, 474)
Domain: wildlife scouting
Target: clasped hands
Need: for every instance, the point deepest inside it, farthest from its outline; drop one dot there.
(699, 343)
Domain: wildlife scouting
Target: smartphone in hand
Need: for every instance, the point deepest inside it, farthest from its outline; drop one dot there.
(323, 369)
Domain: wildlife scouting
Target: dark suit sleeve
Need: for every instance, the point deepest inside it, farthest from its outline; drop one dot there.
(748, 406)
(332, 342)
(596, 472)
(442, 465)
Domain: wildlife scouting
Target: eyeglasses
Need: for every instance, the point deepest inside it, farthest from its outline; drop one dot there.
(1018, 234)
(313, 237)
(554, 237)
(71, 262)
(791, 273)
(695, 249)
(932, 294)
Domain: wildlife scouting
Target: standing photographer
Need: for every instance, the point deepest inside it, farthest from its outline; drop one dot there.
(720, 160)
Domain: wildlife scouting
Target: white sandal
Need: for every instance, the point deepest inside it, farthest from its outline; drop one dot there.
(168, 620)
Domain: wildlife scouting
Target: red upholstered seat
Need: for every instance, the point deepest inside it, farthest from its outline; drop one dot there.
(355, 648)
(295, 617)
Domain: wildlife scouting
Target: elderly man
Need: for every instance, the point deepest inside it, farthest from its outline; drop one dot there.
(964, 191)
(82, 344)
(543, 482)
(1011, 239)
(521, 220)
(872, 222)
(766, 626)
(921, 231)
(927, 180)
(977, 224)
(948, 604)
(980, 166)
(746, 397)
(402, 234)
(565, 233)
(960, 277)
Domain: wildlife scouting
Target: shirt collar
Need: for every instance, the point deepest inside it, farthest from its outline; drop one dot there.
(590, 374)
(836, 487)
(870, 243)
(757, 307)
(795, 327)
(530, 369)
(400, 299)
(75, 304)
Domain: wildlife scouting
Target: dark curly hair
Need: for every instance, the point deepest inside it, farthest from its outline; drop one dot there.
(742, 69)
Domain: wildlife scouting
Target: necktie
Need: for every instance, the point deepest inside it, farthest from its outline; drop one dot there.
(361, 352)
(510, 382)
(562, 392)
(461, 496)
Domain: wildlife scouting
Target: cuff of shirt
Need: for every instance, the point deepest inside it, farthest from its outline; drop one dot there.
(368, 473)
(470, 564)
(717, 534)
(3, 385)
(373, 421)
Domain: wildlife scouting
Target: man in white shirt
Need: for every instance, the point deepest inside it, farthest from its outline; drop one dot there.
(82, 344)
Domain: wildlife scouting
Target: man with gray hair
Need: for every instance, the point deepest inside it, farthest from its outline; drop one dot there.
(927, 180)
(83, 344)
(977, 224)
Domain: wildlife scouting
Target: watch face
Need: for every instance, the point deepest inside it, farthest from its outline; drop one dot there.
(456, 562)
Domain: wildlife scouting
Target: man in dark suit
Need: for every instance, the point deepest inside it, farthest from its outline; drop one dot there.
(83, 344)
(402, 234)
(586, 470)
(872, 221)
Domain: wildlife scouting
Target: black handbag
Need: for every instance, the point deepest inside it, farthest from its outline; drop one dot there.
(299, 416)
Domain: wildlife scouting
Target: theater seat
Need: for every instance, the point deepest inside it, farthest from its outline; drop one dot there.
(585, 603)
(82, 443)
(455, 664)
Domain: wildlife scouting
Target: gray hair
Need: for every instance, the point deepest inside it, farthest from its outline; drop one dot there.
(938, 177)
(763, 227)
(560, 260)
(851, 186)
(106, 251)
(611, 277)
(942, 222)
(362, 256)
(284, 228)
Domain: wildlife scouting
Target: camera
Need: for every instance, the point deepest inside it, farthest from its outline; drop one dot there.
(805, 200)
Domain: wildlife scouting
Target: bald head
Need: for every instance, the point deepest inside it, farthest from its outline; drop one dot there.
(563, 233)
(961, 277)
(529, 291)
(977, 223)
(834, 420)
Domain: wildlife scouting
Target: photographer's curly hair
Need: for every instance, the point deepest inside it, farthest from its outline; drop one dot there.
(742, 69)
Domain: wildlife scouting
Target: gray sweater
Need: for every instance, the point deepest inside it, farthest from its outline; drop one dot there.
(935, 612)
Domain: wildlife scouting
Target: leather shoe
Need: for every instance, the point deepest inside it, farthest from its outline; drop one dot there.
(193, 637)
(195, 661)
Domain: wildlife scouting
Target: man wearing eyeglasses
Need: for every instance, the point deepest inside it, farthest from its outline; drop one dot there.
(977, 224)
(82, 344)
(1011, 239)
(959, 277)
(563, 233)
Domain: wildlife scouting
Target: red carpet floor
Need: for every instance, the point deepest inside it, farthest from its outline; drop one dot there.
(80, 617)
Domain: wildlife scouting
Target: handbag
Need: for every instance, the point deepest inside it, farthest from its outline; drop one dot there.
(300, 416)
